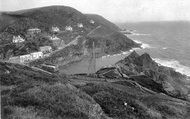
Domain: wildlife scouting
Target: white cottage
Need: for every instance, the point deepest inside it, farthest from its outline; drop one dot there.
(34, 30)
(80, 25)
(53, 38)
(68, 28)
(25, 58)
(45, 49)
(92, 21)
(55, 29)
(36, 55)
(18, 39)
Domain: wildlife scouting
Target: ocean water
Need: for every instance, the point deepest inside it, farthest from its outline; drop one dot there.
(168, 43)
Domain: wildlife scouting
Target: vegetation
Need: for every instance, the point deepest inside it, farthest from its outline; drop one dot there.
(27, 93)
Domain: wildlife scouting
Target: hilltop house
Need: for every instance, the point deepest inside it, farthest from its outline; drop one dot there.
(55, 29)
(33, 30)
(92, 21)
(68, 28)
(46, 49)
(18, 39)
(80, 25)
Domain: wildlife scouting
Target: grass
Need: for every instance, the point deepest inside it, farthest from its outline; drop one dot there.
(58, 100)
(140, 104)
(27, 93)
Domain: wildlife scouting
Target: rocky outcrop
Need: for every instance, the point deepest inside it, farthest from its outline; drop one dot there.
(146, 72)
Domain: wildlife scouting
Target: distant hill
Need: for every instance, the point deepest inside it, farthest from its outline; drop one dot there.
(101, 20)
(18, 22)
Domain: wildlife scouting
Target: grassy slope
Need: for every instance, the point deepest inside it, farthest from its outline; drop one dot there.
(27, 93)
(140, 103)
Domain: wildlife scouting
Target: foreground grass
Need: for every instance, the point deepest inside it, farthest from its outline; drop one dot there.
(124, 100)
(30, 94)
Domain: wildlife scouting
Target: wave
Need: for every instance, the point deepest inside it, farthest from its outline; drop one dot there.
(137, 34)
(175, 65)
(143, 45)
(140, 34)
(164, 48)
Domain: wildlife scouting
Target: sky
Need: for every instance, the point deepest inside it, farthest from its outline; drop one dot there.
(114, 10)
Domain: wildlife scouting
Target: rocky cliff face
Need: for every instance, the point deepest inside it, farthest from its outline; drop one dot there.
(151, 75)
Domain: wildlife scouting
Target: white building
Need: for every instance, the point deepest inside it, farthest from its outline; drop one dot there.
(68, 28)
(25, 58)
(34, 30)
(92, 21)
(54, 38)
(30, 57)
(18, 39)
(55, 29)
(36, 55)
(80, 25)
(45, 49)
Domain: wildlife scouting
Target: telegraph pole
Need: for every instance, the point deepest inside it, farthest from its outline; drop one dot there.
(92, 61)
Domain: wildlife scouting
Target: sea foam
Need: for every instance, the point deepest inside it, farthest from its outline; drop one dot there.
(143, 45)
(175, 65)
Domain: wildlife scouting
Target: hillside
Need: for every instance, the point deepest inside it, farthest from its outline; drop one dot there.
(27, 93)
(63, 17)
(34, 94)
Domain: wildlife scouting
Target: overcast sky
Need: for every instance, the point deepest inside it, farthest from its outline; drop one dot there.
(114, 10)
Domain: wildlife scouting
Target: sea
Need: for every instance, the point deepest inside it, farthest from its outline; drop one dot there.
(168, 43)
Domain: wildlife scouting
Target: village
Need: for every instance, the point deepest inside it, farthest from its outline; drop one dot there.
(44, 51)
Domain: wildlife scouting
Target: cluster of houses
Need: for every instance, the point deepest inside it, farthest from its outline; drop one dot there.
(44, 52)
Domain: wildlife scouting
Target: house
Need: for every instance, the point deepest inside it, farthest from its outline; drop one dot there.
(36, 55)
(25, 58)
(53, 38)
(55, 29)
(92, 21)
(18, 39)
(80, 25)
(46, 49)
(33, 30)
(30, 57)
(68, 28)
